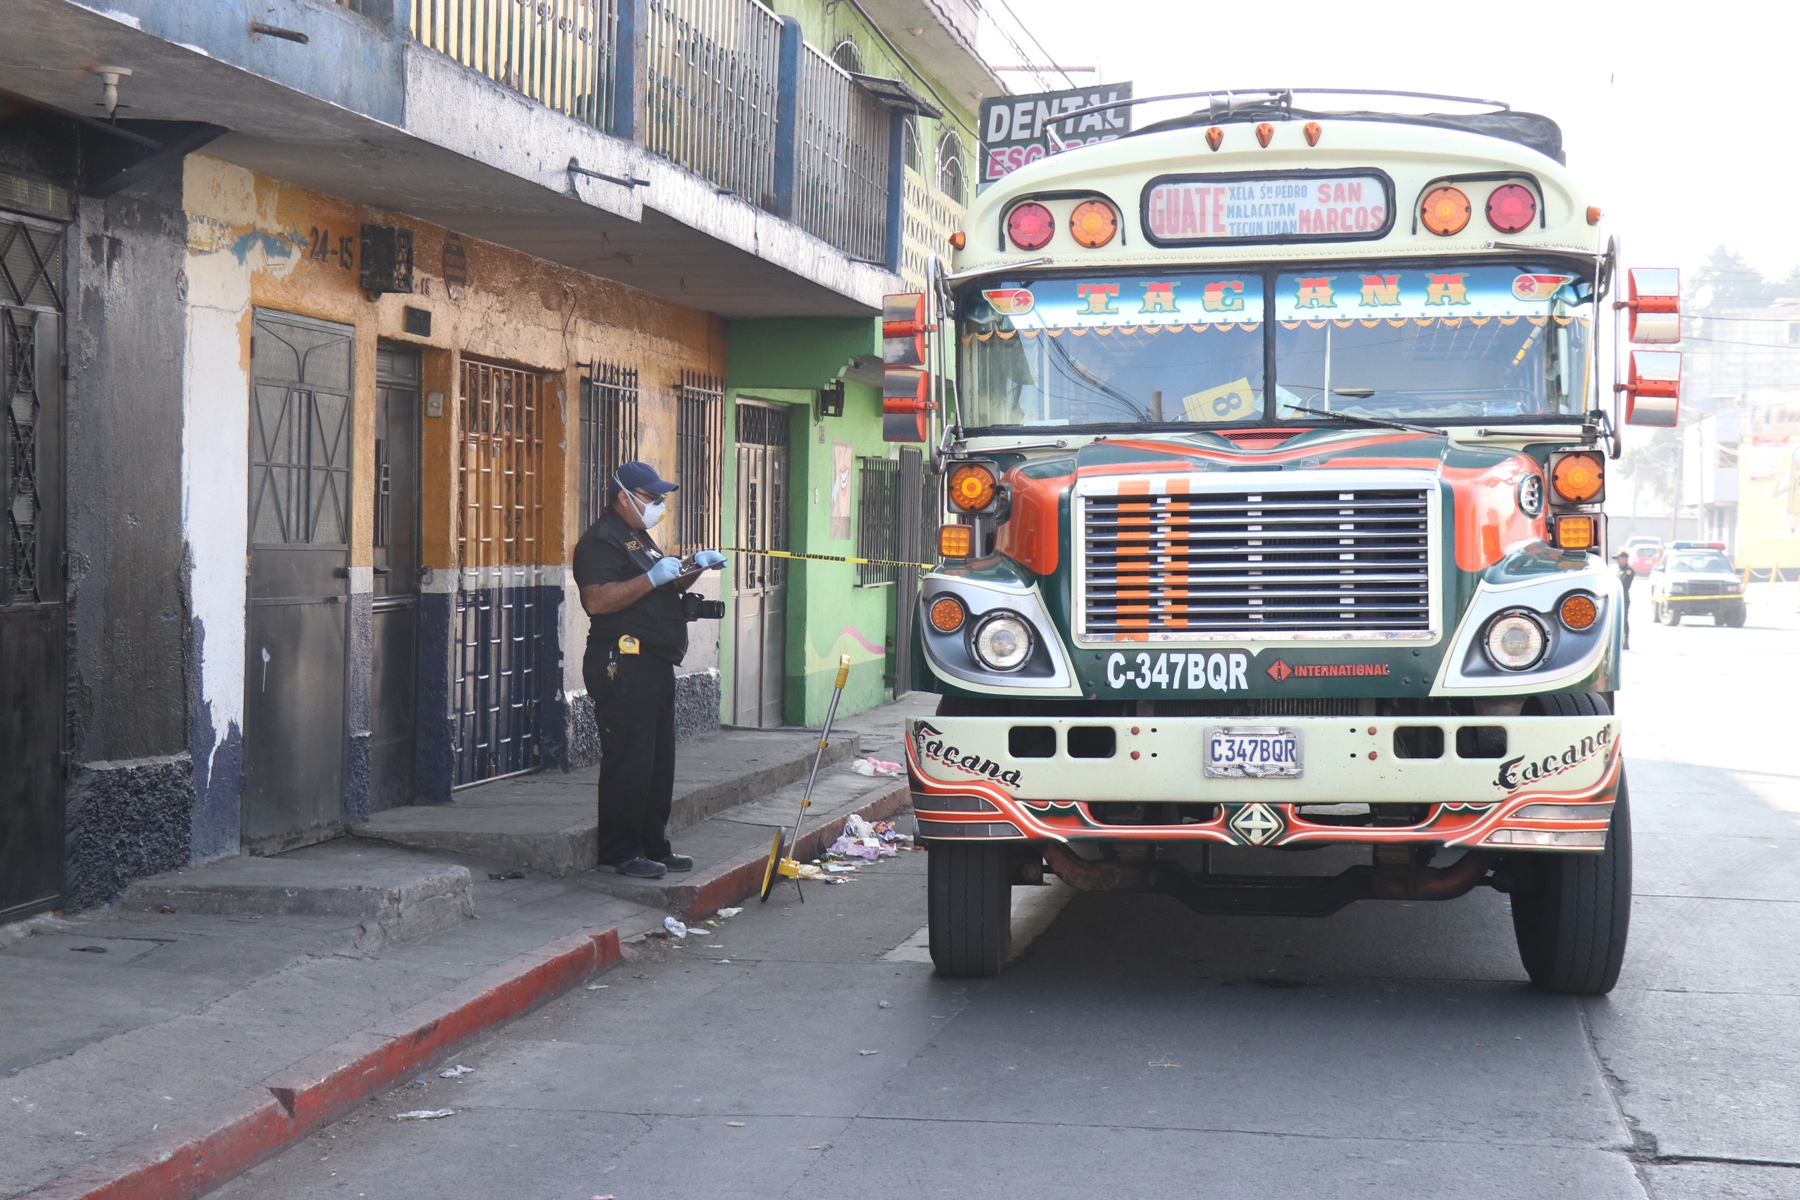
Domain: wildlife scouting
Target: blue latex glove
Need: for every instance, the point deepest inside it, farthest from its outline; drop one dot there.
(663, 570)
(709, 560)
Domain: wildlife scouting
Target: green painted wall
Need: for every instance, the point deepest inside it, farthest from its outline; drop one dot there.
(787, 362)
(828, 615)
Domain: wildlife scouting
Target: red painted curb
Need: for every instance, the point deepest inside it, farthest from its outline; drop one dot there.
(709, 895)
(196, 1155)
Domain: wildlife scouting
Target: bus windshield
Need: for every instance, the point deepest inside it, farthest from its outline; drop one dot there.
(1477, 342)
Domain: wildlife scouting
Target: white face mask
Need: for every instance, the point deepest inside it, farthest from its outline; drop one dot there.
(649, 514)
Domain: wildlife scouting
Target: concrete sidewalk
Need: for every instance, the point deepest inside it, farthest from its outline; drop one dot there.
(159, 1046)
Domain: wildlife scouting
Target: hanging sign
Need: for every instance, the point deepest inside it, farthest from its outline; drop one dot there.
(1019, 130)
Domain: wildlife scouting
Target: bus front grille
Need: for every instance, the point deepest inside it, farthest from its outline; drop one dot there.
(1257, 563)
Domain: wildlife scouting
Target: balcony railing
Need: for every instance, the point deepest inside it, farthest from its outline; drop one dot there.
(561, 53)
(841, 176)
(709, 85)
(725, 88)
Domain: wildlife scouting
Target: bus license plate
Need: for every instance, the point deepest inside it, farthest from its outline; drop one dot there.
(1253, 752)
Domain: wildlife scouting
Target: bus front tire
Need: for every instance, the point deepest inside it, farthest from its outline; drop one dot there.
(1572, 919)
(970, 904)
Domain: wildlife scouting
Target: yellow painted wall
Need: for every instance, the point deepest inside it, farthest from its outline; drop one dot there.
(1768, 513)
(514, 309)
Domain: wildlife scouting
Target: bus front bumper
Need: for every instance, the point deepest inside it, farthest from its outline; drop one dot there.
(1496, 783)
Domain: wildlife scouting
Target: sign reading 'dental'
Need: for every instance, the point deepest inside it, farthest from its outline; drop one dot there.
(1017, 130)
(1328, 209)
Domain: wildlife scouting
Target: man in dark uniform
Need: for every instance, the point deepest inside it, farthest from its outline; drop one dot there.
(637, 635)
(1626, 575)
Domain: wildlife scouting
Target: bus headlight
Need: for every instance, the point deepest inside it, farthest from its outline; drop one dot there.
(1515, 641)
(1003, 641)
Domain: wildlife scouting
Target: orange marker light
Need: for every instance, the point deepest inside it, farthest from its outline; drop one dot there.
(958, 240)
(1093, 223)
(1265, 133)
(1578, 477)
(1444, 211)
(972, 486)
(1578, 611)
(1593, 214)
(1575, 533)
(1215, 137)
(947, 612)
(1311, 130)
(955, 541)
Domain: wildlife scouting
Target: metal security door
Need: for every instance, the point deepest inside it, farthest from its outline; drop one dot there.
(505, 622)
(759, 669)
(393, 716)
(300, 434)
(31, 589)
(914, 515)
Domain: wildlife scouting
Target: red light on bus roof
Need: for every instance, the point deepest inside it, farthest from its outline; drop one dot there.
(1511, 208)
(1030, 226)
(1444, 211)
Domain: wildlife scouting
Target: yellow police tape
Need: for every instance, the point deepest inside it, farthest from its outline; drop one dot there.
(870, 562)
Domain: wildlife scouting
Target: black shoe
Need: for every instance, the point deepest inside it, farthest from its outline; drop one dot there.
(677, 862)
(641, 868)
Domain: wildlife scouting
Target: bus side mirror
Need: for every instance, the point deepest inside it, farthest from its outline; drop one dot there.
(1653, 388)
(905, 384)
(1655, 305)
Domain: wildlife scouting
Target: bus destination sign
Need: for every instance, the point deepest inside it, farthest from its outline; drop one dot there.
(1273, 209)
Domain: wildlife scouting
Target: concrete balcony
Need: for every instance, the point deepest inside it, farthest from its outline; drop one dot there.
(711, 162)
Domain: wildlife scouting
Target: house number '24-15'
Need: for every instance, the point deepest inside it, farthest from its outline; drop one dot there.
(1219, 672)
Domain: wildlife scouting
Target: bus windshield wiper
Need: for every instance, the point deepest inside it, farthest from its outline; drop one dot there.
(1377, 421)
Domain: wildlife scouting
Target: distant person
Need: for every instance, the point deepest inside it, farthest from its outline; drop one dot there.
(637, 635)
(1626, 575)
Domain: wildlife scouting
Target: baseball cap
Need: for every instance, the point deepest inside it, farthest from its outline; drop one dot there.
(1622, 554)
(642, 477)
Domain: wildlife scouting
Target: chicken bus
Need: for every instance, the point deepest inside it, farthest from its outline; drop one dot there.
(1273, 444)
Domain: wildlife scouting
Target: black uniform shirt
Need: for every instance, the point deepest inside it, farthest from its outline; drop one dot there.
(1626, 575)
(612, 552)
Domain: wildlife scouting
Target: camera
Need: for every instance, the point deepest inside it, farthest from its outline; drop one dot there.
(696, 607)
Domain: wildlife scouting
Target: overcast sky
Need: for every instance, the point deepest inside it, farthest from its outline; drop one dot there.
(1681, 122)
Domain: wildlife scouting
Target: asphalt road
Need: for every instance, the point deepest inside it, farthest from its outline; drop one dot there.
(1138, 1050)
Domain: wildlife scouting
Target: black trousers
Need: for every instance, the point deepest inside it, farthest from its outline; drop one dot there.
(635, 710)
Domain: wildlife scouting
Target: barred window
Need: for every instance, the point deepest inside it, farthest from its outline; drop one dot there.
(877, 519)
(609, 433)
(699, 440)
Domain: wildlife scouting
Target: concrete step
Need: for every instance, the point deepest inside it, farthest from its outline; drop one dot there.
(548, 822)
(392, 895)
(731, 850)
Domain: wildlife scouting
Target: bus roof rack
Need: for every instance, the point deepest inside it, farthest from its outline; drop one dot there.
(1531, 130)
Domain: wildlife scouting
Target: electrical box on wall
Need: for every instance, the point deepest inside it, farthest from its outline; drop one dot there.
(831, 400)
(387, 259)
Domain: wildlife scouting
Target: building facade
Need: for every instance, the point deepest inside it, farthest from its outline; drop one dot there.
(325, 326)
